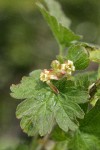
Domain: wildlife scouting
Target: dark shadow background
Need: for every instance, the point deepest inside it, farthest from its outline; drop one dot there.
(26, 43)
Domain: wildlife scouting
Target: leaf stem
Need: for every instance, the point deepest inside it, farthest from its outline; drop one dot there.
(55, 90)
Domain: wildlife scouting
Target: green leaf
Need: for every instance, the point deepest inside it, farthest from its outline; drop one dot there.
(27, 86)
(93, 50)
(36, 114)
(91, 122)
(55, 10)
(72, 91)
(63, 35)
(66, 113)
(42, 107)
(82, 141)
(84, 80)
(79, 55)
(95, 56)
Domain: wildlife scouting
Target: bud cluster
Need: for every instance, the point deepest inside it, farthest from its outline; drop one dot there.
(57, 71)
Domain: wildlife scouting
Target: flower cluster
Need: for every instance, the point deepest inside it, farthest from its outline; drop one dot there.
(57, 71)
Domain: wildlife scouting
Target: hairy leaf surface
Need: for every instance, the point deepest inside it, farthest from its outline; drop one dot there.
(42, 108)
(63, 35)
(79, 55)
(72, 91)
(55, 10)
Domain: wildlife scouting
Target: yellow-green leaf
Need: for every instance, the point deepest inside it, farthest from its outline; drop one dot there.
(95, 56)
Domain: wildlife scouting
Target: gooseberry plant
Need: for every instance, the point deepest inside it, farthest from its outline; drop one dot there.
(62, 103)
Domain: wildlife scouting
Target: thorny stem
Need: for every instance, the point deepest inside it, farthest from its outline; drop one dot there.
(92, 91)
(93, 88)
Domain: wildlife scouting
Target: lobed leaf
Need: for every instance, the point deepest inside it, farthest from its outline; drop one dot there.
(84, 80)
(66, 113)
(79, 55)
(42, 108)
(55, 10)
(37, 113)
(27, 86)
(72, 91)
(63, 35)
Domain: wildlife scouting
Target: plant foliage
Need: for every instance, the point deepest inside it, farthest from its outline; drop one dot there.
(69, 108)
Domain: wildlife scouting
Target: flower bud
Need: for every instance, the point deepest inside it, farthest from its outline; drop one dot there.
(47, 75)
(55, 64)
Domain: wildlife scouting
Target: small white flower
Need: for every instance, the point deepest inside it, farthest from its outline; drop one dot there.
(58, 71)
(67, 67)
(73, 68)
(71, 65)
(47, 75)
(64, 67)
(44, 76)
(69, 73)
(70, 62)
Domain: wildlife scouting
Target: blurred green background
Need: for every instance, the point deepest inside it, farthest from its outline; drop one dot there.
(26, 43)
